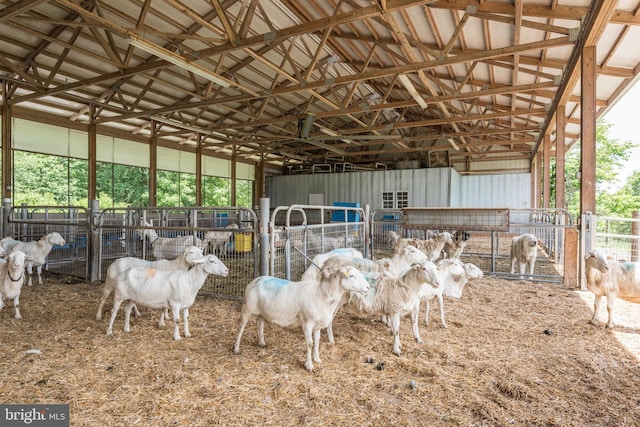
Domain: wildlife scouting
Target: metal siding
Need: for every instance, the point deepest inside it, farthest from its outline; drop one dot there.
(426, 187)
(496, 191)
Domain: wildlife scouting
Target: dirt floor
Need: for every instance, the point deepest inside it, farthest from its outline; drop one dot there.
(516, 353)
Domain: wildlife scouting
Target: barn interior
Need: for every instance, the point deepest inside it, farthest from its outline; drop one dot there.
(436, 94)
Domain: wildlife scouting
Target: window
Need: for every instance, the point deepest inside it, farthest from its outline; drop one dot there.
(387, 200)
(397, 200)
(402, 199)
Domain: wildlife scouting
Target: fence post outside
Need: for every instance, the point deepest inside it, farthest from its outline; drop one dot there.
(94, 247)
(635, 232)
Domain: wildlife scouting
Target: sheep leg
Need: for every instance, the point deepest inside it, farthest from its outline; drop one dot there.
(316, 346)
(395, 330)
(441, 305)
(415, 313)
(39, 271)
(30, 272)
(427, 305)
(611, 305)
(127, 316)
(243, 322)
(308, 338)
(114, 313)
(175, 309)
(185, 319)
(106, 291)
(16, 307)
(260, 324)
(513, 265)
(330, 333)
(596, 308)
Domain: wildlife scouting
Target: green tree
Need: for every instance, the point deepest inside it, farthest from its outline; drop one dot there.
(611, 155)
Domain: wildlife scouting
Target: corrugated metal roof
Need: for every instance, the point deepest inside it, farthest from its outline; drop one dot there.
(483, 78)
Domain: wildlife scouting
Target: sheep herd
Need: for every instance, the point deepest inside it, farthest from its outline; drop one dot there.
(389, 288)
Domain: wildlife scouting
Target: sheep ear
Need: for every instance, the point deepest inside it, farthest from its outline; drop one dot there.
(346, 273)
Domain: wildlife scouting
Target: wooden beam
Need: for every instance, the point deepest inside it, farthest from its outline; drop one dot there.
(588, 132)
(546, 178)
(560, 157)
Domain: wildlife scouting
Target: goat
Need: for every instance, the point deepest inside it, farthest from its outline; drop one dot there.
(12, 278)
(612, 279)
(395, 266)
(218, 240)
(307, 304)
(393, 297)
(167, 247)
(176, 289)
(454, 275)
(454, 249)
(524, 250)
(183, 262)
(432, 247)
(36, 251)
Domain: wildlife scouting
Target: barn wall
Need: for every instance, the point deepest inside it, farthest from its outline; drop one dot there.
(496, 191)
(425, 187)
(436, 187)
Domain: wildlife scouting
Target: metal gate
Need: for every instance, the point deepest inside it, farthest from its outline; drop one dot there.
(491, 231)
(29, 223)
(300, 232)
(121, 234)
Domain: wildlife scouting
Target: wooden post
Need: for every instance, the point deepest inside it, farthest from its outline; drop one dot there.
(153, 164)
(560, 154)
(7, 146)
(571, 258)
(588, 132)
(546, 177)
(93, 157)
(635, 232)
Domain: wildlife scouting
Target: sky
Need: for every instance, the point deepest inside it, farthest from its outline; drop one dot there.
(624, 118)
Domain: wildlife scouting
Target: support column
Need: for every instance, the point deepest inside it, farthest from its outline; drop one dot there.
(93, 156)
(153, 164)
(588, 132)
(234, 158)
(199, 171)
(546, 177)
(7, 145)
(560, 153)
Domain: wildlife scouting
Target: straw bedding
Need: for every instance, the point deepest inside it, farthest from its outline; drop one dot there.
(515, 353)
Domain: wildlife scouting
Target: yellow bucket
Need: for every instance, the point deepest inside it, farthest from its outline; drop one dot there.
(243, 242)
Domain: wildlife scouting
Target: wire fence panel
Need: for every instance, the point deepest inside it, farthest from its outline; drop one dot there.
(300, 232)
(619, 237)
(31, 223)
(490, 233)
(229, 233)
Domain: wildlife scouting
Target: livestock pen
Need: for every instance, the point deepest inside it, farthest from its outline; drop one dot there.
(515, 353)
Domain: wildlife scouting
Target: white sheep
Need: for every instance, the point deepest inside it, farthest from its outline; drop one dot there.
(393, 297)
(454, 275)
(12, 278)
(183, 262)
(176, 289)
(454, 249)
(524, 250)
(432, 247)
(312, 272)
(306, 304)
(218, 240)
(167, 247)
(394, 266)
(611, 279)
(36, 251)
